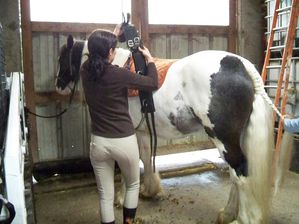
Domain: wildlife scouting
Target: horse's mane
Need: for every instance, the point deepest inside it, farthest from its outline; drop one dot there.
(76, 57)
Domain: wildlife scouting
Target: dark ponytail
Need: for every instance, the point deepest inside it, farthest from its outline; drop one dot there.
(96, 66)
(99, 44)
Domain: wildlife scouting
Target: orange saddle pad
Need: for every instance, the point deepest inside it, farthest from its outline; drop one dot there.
(162, 66)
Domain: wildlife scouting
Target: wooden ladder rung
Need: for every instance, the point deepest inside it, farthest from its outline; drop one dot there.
(280, 28)
(270, 86)
(277, 47)
(288, 8)
(274, 66)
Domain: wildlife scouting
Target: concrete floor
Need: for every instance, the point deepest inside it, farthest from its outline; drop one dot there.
(194, 198)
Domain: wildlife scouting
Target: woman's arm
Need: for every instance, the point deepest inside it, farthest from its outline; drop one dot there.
(291, 125)
(147, 82)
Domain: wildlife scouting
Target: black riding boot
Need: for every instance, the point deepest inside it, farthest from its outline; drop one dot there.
(129, 213)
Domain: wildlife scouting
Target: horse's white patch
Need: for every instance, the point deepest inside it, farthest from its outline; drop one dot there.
(121, 57)
(67, 90)
(220, 147)
(84, 53)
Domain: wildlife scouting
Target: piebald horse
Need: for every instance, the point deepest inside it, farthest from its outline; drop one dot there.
(219, 92)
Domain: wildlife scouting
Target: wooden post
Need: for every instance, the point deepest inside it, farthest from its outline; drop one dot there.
(140, 19)
(28, 76)
(232, 26)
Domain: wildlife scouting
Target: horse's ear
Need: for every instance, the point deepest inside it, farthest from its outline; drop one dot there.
(128, 17)
(70, 41)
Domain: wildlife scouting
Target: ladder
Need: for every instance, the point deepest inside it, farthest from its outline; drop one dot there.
(284, 67)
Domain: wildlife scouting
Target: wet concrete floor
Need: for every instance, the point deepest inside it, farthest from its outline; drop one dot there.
(190, 199)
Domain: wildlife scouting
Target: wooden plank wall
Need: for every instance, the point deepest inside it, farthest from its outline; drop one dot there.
(67, 136)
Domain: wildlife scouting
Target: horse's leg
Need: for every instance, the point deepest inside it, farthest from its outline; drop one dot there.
(242, 207)
(119, 197)
(151, 180)
(230, 211)
(249, 207)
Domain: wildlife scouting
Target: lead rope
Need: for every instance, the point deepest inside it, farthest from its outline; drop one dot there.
(155, 141)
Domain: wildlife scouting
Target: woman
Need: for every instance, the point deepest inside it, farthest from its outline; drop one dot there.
(112, 132)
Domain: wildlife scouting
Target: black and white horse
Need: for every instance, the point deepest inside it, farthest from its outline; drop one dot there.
(221, 93)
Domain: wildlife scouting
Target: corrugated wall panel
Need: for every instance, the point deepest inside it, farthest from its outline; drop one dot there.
(44, 61)
(48, 133)
(218, 43)
(199, 43)
(158, 45)
(73, 131)
(178, 46)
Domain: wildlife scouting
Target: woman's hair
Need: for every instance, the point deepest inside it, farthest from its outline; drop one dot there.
(99, 44)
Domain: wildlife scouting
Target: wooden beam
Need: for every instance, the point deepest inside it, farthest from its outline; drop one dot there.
(28, 76)
(48, 97)
(194, 29)
(62, 27)
(152, 28)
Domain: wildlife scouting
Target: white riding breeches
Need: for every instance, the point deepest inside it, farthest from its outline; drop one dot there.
(103, 154)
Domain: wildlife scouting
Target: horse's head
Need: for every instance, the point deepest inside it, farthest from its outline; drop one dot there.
(121, 32)
(64, 73)
(129, 34)
(69, 62)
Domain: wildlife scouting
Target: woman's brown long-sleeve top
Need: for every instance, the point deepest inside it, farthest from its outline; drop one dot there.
(107, 98)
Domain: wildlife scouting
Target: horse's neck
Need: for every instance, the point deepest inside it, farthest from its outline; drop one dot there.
(121, 57)
(77, 55)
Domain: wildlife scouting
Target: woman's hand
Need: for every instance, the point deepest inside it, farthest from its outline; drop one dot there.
(146, 54)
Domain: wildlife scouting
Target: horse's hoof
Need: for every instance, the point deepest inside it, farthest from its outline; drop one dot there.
(118, 200)
(118, 204)
(225, 218)
(146, 192)
(157, 197)
(234, 222)
(220, 219)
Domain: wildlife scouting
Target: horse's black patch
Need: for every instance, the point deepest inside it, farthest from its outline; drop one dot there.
(209, 131)
(185, 121)
(230, 108)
